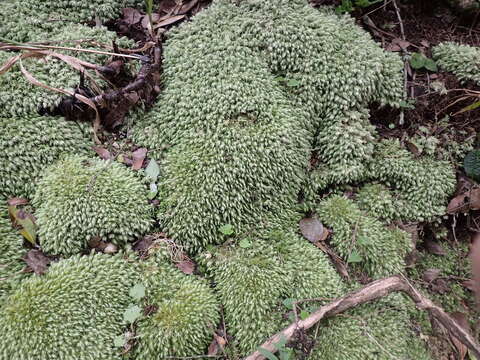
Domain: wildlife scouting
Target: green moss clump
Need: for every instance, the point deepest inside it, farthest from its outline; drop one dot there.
(11, 252)
(186, 311)
(373, 331)
(236, 140)
(73, 312)
(362, 239)
(462, 60)
(252, 283)
(421, 186)
(377, 201)
(18, 97)
(79, 198)
(23, 20)
(31, 143)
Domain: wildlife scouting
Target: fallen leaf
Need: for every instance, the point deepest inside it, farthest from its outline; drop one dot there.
(434, 248)
(461, 320)
(137, 292)
(213, 348)
(26, 222)
(169, 21)
(138, 157)
(187, 266)
(110, 248)
(425, 43)
(220, 340)
(469, 200)
(440, 286)
(431, 275)
(131, 16)
(475, 258)
(132, 314)
(146, 20)
(143, 244)
(102, 152)
(37, 261)
(188, 6)
(17, 201)
(468, 284)
(153, 170)
(412, 148)
(312, 229)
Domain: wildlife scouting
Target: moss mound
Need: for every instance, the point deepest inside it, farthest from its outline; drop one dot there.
(18, 97)
(11, 252)
(462, 60)
(79, 198)
(237, 150)
(24, 21)
(186, 311)
(31, 143)
(73, 312)
(373, 331)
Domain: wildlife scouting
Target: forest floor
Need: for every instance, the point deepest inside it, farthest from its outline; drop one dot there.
(434, 107)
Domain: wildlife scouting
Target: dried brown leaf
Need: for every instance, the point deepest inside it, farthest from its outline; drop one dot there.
(187, 7)
(187, 266)
(431, 275)
(475, 258)
(469, 200)
(213, 348)
(434, 247)
(131, 16)
(37, 261)
(462, 320)
(17, 201)
(138, 157)
(169, 21)
(102, 152)
(312, 229)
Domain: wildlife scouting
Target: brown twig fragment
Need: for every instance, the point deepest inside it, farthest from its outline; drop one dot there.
(370, 292)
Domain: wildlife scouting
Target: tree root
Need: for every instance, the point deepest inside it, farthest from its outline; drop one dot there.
(370, 292)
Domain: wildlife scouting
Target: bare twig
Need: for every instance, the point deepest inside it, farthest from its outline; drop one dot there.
(405, 67)
(370, 292)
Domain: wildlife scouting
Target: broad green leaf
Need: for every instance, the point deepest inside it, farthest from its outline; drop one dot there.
(137, 292)
(268, 354)
(293, 83)
(132, 314)
(304, 314)
(417, 61)
(245, 243)
(119, 341)
(153, 191)
(431, 65)
(471, 163)
(153, 170)
(226, 229)
(354, 257)
(288, 303)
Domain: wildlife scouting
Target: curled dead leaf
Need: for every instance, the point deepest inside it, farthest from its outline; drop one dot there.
(469, 200)
(138, 156)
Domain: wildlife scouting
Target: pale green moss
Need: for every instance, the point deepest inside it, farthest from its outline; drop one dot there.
(24, 20)
(185, 314)
(18, 97)
(79, 198)
(31, 143)
(362, 239)
(73, 312)
(462, 60)
(373, 331)
(11, 253)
